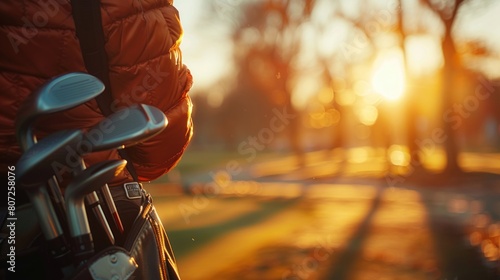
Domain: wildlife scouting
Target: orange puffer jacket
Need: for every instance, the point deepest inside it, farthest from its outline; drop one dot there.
(38, 42)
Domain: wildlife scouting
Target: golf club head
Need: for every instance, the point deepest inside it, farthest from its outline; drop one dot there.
(89, 180)
(126, 127)
(39, 163)
(58, 94)
(92, 178)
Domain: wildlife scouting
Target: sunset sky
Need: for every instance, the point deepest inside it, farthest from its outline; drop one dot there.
(207, 47)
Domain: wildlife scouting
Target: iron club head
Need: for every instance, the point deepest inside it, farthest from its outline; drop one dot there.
(58, 94)
(33, 170)
(126, 127)
(37, 165)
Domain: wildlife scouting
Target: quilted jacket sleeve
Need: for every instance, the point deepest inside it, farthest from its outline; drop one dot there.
(146, 67)
(142, 44)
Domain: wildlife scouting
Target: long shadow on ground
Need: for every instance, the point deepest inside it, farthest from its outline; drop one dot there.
(458, 259)
(187, 240)
(346, 259)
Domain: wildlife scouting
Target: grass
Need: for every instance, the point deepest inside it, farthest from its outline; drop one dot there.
(198, 161)
(186, 240)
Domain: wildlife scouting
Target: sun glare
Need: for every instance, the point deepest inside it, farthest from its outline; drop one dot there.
(388, 78)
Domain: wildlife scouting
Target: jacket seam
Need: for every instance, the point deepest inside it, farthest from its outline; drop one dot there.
(139, 63)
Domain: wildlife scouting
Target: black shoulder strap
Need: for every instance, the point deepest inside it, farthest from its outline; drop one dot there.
(87, 17)
(88, 25)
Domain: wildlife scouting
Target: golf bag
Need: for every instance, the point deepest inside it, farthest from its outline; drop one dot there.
(146, 254)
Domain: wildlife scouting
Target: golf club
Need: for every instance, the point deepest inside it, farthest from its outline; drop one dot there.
(34, 168)
(94, 204)
(60, 93)
(124, 128)
(84, 183)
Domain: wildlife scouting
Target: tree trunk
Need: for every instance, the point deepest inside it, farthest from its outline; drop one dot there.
(410, 101)
(449, 76)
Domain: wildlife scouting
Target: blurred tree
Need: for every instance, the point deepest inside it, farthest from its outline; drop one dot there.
(411, 94)
(269, 37)
(267, 42)
(447, 11)
(367, 25)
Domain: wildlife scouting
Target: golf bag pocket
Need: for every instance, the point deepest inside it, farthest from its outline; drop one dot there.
(149, 246)
(112, 263)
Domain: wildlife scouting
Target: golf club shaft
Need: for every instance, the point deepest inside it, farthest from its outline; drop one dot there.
(49, 222)
(93, 200)
(81, 237)
(51, 229)
(112, 207)
(89, 180)
(58, 200)
(52, 185)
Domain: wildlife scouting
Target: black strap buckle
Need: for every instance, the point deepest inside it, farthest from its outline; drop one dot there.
(133, 190)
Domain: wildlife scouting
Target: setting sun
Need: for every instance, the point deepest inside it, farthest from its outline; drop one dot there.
(388, 78)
